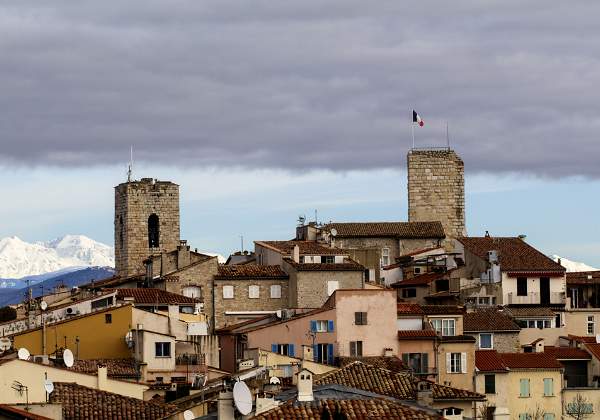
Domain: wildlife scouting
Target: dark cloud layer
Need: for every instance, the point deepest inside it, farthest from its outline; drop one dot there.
(301, 85)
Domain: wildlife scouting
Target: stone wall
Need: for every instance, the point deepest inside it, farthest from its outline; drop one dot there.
(134, 203)
(504, 342)
(311, 286)
(436, 189)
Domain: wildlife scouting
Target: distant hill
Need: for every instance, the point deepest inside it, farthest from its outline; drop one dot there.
(69, 279)
(572, 266)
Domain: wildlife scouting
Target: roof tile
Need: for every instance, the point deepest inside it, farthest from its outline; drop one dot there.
(489, 320)
(152, 295)
(250, 271)
(405, 230)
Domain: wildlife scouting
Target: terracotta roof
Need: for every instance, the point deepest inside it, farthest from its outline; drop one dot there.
(529, 311)
(409, 309)
(250, 271)
(112, 281)
(529, 361)
(81, 402)
(583, 277)
(581, 338)
(489, 361)
(391, 363)
(17, 413)
(116, 368)
(422, 280)
(417, 334)
(443, 309)
(348, 265)
(422, 251)
(489, 320)
(305, 247)
(457, 339)
(155, 296)
(567, 353)
(385, 382)
(352, 409)
(514, 254)
(405, 230)
(593, 348)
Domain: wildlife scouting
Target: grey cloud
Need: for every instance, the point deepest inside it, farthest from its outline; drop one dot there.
(300, 85)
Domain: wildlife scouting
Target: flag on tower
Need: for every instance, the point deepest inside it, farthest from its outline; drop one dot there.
(417, 119)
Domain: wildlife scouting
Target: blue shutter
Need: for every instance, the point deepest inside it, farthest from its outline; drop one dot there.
(274, 348)
(291, 350)
(330, 353)
(315, 350)
(313, 326)
(330, 326)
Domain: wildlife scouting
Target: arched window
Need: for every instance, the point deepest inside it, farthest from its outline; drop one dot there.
(153, 231)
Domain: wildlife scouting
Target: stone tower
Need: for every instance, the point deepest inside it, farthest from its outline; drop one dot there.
(436, 189)
(146, 222)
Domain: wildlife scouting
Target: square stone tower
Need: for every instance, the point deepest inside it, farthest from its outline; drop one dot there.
(436, 189)
(146, 222)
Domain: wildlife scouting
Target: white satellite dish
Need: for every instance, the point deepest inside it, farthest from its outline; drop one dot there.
(5, 343)
(274, 380)
(43, 305)
(23, 353)
(68, 358)
(48, 386)
(188, 415)
(242, 397)
(333, 232)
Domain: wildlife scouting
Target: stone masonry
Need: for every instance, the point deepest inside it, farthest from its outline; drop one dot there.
(135, 202)
(436, 189)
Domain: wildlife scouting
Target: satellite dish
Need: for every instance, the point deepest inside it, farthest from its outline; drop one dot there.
(23, 353)
(274, 380)
(48, 386)
(333, 232)
(43, 305)
(68, 358)
(5, 344)
(242, 398)
(188, 415)
(597, 338)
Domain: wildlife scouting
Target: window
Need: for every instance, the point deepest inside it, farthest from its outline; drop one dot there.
(285, 349)
(356, 348)
(456, 362)
(153, 231)
(548, 387)
(186, 309)
(323, 353)
(327, 259)
(548, 416)
(557, 321)
(521, 286)
(253, 292)
(332, 286)
(590, 324)
(417, 362)
(484, 300)
(162, 349)
(102, 303)
(524, 416)
(447, 327)
(524, 388)
(276, 291)
(442, 285)
(192, 291)
(452, 411)
(360, 318)
(409, 293)
(417, 270)
(321, 326)
(486, 341)
(227, 292)
(108, 318)
(490, 384)
(577, 408)
(385, 257)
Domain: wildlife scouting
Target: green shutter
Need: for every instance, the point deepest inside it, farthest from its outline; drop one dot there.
(524, 387)
(548, 416)
(548, 387)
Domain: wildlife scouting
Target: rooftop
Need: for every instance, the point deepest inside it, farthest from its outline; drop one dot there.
(417, 334)
(443, 309)
(489, 320)
(155, 296)
(347, 265)
(583, 277)
(409, 309)
(250, 271)
(491, 360)
(305, 247)
(391, 363)
(529, 311)
(421, 280)
(567, 353)
(116, 368)
(514, 254)
(405, 230)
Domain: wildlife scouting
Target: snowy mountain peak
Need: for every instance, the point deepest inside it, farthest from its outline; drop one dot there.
(19, 258)
(572, 266)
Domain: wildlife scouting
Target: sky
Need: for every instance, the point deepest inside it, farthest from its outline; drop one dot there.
(264, 110)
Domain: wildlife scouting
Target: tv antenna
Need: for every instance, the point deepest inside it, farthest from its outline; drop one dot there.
(130, 169)
(242, 398)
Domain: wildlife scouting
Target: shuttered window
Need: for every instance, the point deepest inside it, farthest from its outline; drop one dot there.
(548, 387)
(524, 388)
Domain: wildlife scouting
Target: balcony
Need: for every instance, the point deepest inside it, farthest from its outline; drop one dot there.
(534, 299)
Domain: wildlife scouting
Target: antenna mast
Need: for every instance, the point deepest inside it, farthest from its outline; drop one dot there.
(130, 170)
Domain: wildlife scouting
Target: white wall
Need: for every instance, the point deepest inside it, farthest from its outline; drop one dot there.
(148, 352)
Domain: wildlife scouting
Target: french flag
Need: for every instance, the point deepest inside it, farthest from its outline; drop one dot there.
(417, 119)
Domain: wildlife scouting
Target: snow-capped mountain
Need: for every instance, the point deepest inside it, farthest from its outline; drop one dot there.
(20, 259)
(573, 266)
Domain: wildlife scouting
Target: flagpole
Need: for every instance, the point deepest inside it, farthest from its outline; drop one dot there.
(412, 125)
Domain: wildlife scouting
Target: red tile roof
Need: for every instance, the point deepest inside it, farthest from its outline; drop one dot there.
(348, 265)
(567, 353)
(583, 277)
(529, 311)
(250, 271)
(529, 361)
(593, 348)
(17, 413)
(305, 247)
(443, 309)
(391, 363)
(409, 309)
(405, 230)
(116, 368)
(157, 296)
(80, 402)
(352, 409)
(514, 254)
(489, 361)
(417, 335)
(489, 320)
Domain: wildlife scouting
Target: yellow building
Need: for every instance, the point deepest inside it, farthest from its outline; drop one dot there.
(526, 385)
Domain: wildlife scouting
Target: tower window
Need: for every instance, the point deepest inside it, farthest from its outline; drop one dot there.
(153, 231)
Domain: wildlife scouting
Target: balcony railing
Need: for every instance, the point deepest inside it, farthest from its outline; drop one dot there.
(534, 298)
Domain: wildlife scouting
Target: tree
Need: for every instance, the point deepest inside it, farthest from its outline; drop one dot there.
(579, 408)
(7, 314)
(537, 414)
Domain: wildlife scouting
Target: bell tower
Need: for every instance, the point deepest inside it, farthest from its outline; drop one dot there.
(146, 222)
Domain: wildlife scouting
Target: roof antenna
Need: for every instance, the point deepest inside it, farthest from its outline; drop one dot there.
(130, 170)
(447, 136)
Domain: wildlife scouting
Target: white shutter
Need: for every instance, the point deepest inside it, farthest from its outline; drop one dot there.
(463, 362)
(275, 291)
(448, 362)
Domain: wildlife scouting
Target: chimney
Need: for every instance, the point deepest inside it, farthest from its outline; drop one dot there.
(296, 254)
(102, 378)
(424, 394)
(305, 385)
(226, 411)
